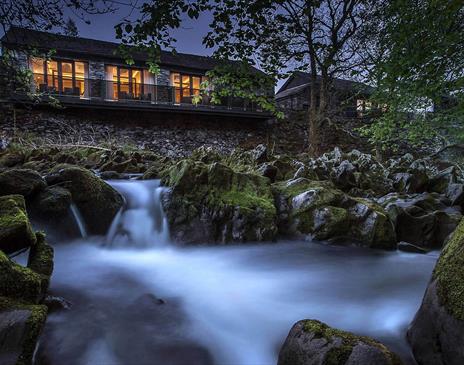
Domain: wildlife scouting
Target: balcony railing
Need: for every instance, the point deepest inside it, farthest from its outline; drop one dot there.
(98, 90)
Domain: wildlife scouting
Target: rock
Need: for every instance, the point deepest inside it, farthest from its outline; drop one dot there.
(52, 202)
(20, 328)
(11, 158)
(439, 183)
(55, 303)
(97, 201)
(344, 175)
(111, 175)
(269, 171)
(371, 225)
(19, 282)
(329, 222)
(408, 247)
(436, 334)
(225, 205)
(41, 257)
(21, 181)
(259, 154)
(15, 229)
(423, 220)
(311, 342)
(406, 182)
(455, 193)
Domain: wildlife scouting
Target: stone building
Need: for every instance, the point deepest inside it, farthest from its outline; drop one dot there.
(348, 98)
(91, 73)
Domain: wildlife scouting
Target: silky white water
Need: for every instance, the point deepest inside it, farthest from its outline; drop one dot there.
(227, 305)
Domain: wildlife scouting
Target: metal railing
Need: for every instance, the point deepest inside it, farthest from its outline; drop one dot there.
(135, 93)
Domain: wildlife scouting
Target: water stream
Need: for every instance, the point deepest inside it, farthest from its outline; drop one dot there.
(139, 300)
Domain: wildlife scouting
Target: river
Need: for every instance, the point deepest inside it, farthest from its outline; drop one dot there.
(137, 299)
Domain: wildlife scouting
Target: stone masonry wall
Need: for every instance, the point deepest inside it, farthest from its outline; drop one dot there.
(168, 134)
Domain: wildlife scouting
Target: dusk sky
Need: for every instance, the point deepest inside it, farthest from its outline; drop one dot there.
(189, 37)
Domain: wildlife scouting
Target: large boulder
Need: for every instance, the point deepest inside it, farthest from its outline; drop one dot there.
(15, 229)
(439, 183)
(20, 328)
(52, 202)
(436, 334)
(319, 209)
(214, 203)
(97, 201)
(370, 224)
(311, 342)
(21, 181)
(424, 219)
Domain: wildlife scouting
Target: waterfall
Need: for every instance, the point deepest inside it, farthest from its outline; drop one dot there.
(141, 222)
(79, 220)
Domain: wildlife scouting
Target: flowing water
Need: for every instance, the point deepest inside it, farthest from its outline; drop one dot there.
(138, 300)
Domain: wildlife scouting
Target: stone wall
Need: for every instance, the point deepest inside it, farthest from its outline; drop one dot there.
(168, 134)
(172, 134)
(163, 78)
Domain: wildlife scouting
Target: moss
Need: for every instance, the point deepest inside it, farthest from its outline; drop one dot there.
(41, 259)
(449, 273)
(340, 354)
(34, 326)
(15, 229)
(19, 282)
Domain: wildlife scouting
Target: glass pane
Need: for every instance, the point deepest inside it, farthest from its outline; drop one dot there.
(196, 81)
(37, 67)
(186, 86)
(67, 77)
(137, 82)
(124, 89)
(52, 75)
(80, 74)
(175, 79)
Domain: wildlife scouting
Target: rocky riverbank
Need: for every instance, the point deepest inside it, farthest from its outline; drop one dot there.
(244, 196)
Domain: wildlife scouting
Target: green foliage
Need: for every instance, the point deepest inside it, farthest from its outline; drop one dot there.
(17, 80)
(421, 69)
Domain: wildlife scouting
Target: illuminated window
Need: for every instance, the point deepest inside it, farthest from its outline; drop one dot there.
(124, 83)
(186, 86)
(60, 76)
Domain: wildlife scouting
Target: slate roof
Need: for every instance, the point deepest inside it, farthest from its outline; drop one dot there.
(301, 80)
(22, 37)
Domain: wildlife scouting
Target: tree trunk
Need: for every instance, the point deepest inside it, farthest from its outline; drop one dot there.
(317, 117)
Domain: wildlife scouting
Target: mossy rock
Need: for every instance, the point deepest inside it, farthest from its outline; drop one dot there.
(20, 327)
(21, 181)
(11, 158)
(324, 223)
(41, 257)
(436, 334)
(371, 225)
(97, 201)
(449, 273)
(223, 204)
(19, 282)
(311, 342)
(15, 229)
(52, 202)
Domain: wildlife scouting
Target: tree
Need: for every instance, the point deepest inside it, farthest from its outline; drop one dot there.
(419, 73)
(317, 36)
(70, 28)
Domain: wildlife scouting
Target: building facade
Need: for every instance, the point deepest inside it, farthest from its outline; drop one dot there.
(349, 99)
(88, 72)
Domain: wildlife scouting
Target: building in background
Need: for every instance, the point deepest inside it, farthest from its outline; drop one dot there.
(91, 73)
